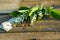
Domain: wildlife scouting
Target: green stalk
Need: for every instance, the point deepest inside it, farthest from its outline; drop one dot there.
(33, 9)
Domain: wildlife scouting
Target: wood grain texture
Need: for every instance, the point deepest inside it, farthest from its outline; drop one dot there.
(34, 2)
(48, 24)
(9, 4)
(30, 36)
(43, 25)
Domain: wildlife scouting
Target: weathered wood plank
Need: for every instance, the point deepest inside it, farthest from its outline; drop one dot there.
(39, 0)
(30, 36)
(43, 25)
(34, 2)
(9, 4)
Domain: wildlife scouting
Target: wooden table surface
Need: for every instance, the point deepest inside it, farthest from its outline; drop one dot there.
(43, 30)
(30, 36)
(31, 33)
(43, 25)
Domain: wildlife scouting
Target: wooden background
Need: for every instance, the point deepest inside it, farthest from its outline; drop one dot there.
(17, 34)
(9, 4)
(34, 2)
(30, 36)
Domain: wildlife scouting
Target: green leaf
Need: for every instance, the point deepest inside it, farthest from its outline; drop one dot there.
(24, 8)
(33, 9)
(21, 11)
(14, 14)
(56, 14)
(49, 9)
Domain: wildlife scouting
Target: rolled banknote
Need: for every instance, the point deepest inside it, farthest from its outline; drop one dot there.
(7, 25)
